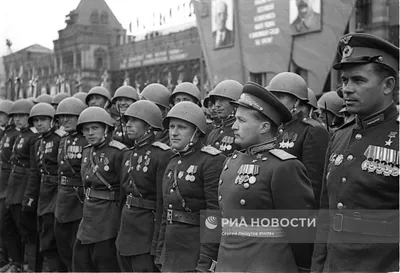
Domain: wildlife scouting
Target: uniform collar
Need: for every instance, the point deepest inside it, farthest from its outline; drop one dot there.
(189, 151)
(27, 128)
(145, 140)
(228, 122)
(262, 147)
(299, 114)
(48, 133)
(377, 118)
(101, 144)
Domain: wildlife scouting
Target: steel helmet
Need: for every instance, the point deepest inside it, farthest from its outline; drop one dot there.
(21, 106)
(42, 109)
(157, 93)
(290, 83)
(126, 91)
(59, 97)
(312, 99)
(186, 88)
(333, 102)
(94, 114)
(189, 112)
(5, 106)
(147, 111)
(44, 98)
(70, 106)
(98, 90)
(229, 89)
(81, 95)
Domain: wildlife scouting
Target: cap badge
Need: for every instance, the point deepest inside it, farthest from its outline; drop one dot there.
(346, 40)
(347, 51)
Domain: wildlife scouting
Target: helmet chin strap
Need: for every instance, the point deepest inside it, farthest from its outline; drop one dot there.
(294, 109)
(190, 144)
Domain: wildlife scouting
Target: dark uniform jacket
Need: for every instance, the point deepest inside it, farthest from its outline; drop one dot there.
(23, 149)
(222, 137)
(307, 139)
(6, 144)
(69, 203)
(189, 185)
(41, 191)
(267, 180)
(101, 177)
(360, 233)
(119, 134)
(142, 172)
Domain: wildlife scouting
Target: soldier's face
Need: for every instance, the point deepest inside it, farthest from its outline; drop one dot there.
(97, 100)
(4, 119)
(136, 128)
(21, 120)
(180, 133)
(123, 104)
(68, 122)
(42, 124)
(326, 116)
(364, 91)
(222, 107)
(246, 128)
(183, 97)
(94, 132)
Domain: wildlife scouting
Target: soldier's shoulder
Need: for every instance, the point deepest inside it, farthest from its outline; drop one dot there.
(351, 122)
(33, 130)
(161, 145)
(210, 150)
(281, 154)
(60, 132)
(311, 122)
(116, 144)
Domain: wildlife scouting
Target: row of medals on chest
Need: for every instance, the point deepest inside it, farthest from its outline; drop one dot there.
(226, 143)
(141, 159)
(247, 175)
(73, 151)
(379, 160)
(190, 173)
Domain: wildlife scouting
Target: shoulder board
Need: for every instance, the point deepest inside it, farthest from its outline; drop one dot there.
(116, 144)
(281, 154)
(161, 145)
(60, 132)
(311, 122)
(33, 129)
(350, 122)
(210, 150)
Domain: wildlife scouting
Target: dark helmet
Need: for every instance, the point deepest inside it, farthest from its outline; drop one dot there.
(290, 83)
(21, 106)
(59, 97)
(147, 111)
(44, 98)
(312, 99)
(42, 109)
(5, 106)
(157, 93)
(94, 114)
(229, 89)
(186, 88)
(189, 112)
(126, 91)
(332, 101)
(98, 90)
(81, 95)
(70, 106)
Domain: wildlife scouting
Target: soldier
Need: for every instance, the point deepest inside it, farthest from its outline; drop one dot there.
(81, 95)
(98, 96)
(69, 203)
(123, 98)
(190, 185)
(302, 136)
(43, 98)
(362, 165)
(58, 98)
(7, 141)
(329, 105)
(159, 94)
(222, 136)
(143, 170)
(41, 191)
(212, 110)
(346, 115)
(266, 179)
(94, 248)
(185, 91)
(20, 226)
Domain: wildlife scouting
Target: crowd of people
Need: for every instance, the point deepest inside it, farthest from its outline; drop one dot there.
(94, 183)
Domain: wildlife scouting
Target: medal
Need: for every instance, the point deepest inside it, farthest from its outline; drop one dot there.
(145, 169)
(106, 168)
(332, 157)
(79, 156)
(395, 171)
(252, 180)
(192, 178)
(229, 147)
(180, 175)
(290, 145)
(365, 165)
(372, 166)
(338, 160)
(187, 177)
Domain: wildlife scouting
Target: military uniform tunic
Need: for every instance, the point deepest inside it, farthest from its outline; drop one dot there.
(6, 144)
(222, 137)
(191, 176)
(307, 139)
(101, 212)
(268, 180)
(143, 170)
(361, 183)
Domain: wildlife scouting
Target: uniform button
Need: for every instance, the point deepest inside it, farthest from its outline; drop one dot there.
(94, 153)
(220, 198)
(221, 132)
(246, 185)
(179, 161)
(344, 180)
(358, 136)
(340, 205)
(171, 190)
(62, 162)
(242, 202)
(220, 182)
(304, 119)
(350, 157)
(87, 176)
(280, 131)
(217, 143)
(234, 156)
(170, 206)
(61, 172)
(68, 141)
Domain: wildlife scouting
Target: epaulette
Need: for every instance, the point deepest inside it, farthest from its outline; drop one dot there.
(161, 145)
(60, 132)
(33, 129)
(350, 122)
(117, 144)
(311, 122)
(210, 150)
(281, 154)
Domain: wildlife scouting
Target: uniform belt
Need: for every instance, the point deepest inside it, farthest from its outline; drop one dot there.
(70, 181)
(50, 178)
(105, 195)
(341, 222)
(6, 165)
(140, 203)
(183, 217)
(20, 169)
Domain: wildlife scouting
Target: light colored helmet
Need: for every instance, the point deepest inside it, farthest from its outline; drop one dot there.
(42, 109)
(229, 89)
(332, 101)
(147, 111)
(44, 98)
(94, 114)
(70, 106)
(59, 97)
(98, 90)
(157, 93)
(289, 83)
(312, 99)
(126, 91)
(81, 95)
(189, 112)
(5, 106)
(21, 106)
(186, 88)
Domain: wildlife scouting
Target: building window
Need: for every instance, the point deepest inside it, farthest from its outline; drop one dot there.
(104, 17)
(94, 17)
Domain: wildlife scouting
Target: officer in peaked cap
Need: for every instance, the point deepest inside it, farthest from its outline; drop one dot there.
(265, 179)
(362, 165)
